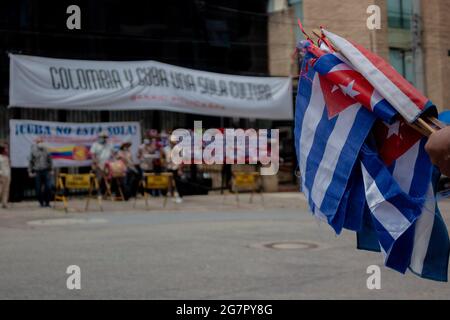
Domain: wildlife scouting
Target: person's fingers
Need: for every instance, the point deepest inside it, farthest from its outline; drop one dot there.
(438, 148)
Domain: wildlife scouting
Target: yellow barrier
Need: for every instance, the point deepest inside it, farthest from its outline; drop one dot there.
(66, 182)
(78, 181)
(156, 181)
(244, 181)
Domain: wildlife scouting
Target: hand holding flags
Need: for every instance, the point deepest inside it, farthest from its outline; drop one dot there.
(363, 165)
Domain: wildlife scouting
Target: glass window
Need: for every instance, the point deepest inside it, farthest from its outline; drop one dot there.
(402, 61)
(399, 14)
(396, 59)
(409, 66)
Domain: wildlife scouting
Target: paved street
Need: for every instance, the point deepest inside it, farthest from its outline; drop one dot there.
(205, 248)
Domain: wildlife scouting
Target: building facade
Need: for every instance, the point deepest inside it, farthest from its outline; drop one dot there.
(413, 37)
(220, 36)
(225, 36)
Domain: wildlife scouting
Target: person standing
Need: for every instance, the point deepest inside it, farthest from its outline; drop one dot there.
(101, 152)
(40, 168)
(146, 155)
(176, 170)
(149, 159)
(124, 155)
(5, 177)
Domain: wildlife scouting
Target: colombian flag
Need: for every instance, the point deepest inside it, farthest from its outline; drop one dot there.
(78, 153)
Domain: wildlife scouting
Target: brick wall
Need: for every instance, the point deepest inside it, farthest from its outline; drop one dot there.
(436, 43)
(348, 18)
(281, 39)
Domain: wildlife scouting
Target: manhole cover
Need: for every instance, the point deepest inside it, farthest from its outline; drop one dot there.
(288, 245)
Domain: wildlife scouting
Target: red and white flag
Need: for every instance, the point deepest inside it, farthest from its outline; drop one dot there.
(400, 93)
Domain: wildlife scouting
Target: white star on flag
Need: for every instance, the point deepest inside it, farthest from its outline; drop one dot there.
(348, 90)
(393, 129)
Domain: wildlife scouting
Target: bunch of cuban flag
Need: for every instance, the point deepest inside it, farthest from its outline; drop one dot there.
(363, 168)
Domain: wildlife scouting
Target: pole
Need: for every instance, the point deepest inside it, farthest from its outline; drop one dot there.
(417, 51)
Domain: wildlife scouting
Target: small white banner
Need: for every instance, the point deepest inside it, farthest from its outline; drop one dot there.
(68, 143)
(39, 82)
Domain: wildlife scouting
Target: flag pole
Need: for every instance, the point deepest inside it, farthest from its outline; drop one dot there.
(425, 125)
(419, 129)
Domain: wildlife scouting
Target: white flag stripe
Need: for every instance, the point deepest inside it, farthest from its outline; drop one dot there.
(332, 152)
(422, 233)
(340, 67)
(311, 119)
(397, 98)
(374, 99)
(404, 166)
(324, 47)
(386, 214)
(344, 59)
(373, 194)
(391, 219)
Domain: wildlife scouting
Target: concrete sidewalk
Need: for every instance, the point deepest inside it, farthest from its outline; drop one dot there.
(20, 213)
(205, 203)
(202, 203)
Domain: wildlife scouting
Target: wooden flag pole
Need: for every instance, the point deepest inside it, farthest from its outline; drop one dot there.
(436, 122)
(419, 129)
(428, 129)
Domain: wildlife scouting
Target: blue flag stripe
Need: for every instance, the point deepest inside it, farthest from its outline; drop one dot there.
(347, 159)
(435, 265)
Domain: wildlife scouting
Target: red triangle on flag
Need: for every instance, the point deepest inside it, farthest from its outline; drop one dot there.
(394, 140)
(336, 101)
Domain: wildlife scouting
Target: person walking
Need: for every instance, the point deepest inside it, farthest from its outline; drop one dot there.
(5, 177)
(40, 168)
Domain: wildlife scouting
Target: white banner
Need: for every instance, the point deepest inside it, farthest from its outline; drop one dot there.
(68, 143)
(144, 85)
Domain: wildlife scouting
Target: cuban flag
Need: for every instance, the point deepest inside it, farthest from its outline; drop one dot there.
(327, 143)
(345, 86)
(364, 168)
(402, 218)
(399, 92)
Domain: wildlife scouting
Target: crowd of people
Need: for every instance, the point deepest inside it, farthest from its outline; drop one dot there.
(113, 166)
(153, 156)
